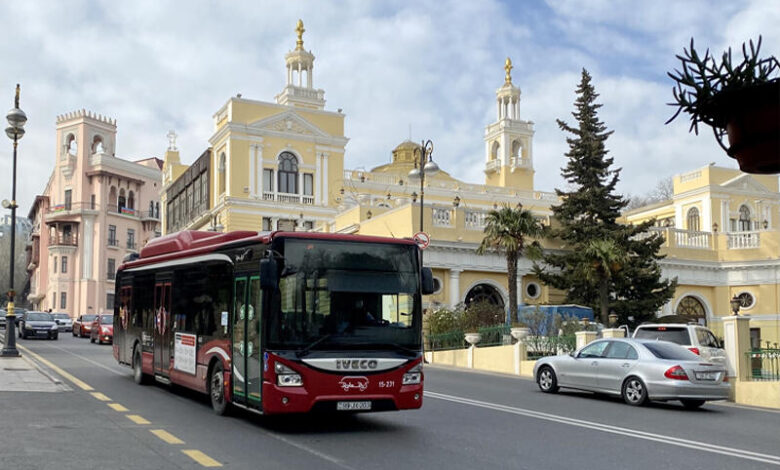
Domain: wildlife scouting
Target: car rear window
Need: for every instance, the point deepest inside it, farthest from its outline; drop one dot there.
(39, 317)
(670, 351)
(674, 334)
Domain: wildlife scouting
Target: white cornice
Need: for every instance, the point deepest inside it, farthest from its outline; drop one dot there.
(107, 161)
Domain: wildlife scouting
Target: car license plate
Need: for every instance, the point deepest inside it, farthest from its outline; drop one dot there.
(706, 375)
(353, 405)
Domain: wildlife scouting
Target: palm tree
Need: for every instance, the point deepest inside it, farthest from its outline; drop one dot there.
(606, 258)
(506, 230)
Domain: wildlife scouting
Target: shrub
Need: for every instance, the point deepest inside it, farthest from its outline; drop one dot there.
(480, 314)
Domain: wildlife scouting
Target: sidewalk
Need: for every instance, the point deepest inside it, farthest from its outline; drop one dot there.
(22, 374)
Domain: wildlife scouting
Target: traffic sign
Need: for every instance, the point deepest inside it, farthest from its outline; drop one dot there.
(422, 239)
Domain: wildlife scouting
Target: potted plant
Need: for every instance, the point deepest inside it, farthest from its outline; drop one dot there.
(520, 330)
(741, 101)
(470, 323)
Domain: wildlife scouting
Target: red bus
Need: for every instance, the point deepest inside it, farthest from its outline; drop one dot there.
(276, 322)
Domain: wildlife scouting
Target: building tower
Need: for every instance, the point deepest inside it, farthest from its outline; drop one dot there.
(509, 141)
(300, 91)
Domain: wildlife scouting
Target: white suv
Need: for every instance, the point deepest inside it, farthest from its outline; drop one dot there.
(696, 338)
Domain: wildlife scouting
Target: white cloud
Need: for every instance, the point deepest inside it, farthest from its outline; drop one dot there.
(155, 66)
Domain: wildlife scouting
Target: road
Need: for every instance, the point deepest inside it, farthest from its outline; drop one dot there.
(469, 420)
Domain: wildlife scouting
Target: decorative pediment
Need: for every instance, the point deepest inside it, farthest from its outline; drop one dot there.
(289, 123)
(745, 182)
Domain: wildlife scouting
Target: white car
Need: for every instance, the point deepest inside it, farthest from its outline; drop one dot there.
(698, 339)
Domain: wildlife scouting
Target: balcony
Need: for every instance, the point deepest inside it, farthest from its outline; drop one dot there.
(289, 198)
(64, 240)
(132, 246)
(113, 242)
(442, 217)
(743, 240)
(149, 215)
(68, 212)
(493, 166)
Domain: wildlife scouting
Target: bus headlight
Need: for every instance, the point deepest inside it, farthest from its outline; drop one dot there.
(413, 376)
(286, 377)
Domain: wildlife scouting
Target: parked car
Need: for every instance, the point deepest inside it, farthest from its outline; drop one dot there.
(102, 329)
(18, 313)
(38, 325)
(698, 339)
(64, 321)
(83, 325)
(636, 369)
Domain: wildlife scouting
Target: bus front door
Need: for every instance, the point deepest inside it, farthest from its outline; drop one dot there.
(162, 328)
(247, 377)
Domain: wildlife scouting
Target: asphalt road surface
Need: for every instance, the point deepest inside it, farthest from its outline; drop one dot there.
(101, 419)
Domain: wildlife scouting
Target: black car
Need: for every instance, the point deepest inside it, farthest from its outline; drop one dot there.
(38, 325)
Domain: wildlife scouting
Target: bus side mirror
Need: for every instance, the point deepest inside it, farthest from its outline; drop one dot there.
(427, 281)
(269, 274)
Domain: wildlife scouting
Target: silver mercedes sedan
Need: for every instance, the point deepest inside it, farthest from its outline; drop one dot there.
(637, 370)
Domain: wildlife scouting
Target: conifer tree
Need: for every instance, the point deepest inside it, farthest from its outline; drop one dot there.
(588, 211)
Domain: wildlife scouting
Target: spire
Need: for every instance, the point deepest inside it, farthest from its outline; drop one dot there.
(300, 30)
(508, 67)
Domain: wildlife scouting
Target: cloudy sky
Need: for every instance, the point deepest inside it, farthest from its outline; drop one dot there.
(432, 66)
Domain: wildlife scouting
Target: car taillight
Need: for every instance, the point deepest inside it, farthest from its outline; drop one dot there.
(695, 351)
(725, 377)
(676, 373)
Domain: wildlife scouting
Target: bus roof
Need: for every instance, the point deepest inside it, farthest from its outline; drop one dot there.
(194, 242)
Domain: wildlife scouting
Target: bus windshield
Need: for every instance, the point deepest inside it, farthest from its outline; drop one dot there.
(337, 295)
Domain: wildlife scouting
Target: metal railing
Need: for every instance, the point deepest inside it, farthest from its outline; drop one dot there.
(64, 240)
(764, 364)
(446, 341)
(494, 336)
(113, 242)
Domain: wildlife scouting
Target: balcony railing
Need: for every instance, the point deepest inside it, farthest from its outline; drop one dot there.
(288, 198)
(475, 220)
(65, 240)
(493, 165)
(764, 364)
(113, 242)
(692, 239)
(132, 246)
(442, 217)
(742, 240)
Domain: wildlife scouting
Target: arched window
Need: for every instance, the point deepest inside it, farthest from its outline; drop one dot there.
(222, 170)
(693, 220)
(484, 293)
(71, 145)
(494, 150)
(131, 200)
(692, 307)
(744, 219)
(121, 201)
(97, 144)
(288, 173)
(516, 148)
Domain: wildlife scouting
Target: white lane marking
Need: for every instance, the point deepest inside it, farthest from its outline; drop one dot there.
(84, 358)
(310, 450)
(697, 445)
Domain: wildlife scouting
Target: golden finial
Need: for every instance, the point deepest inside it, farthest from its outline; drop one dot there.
(299, 29)
(508, 68)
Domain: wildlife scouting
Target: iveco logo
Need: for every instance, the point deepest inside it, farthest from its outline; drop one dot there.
(356, 364)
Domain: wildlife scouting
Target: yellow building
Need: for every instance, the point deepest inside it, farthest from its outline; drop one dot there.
(280, 166)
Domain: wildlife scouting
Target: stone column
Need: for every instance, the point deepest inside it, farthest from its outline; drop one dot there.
(454, 287)
(520, 354)
(736, 339)
(585, 337)
(613, 333)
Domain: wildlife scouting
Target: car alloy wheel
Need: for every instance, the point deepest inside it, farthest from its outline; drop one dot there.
(547, 381)
(634, 391)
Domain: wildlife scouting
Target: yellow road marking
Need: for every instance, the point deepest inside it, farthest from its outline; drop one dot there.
(117, 407)
(166, 436)
(100, 396)
(56, 369)
(201, 458)
(137, 419)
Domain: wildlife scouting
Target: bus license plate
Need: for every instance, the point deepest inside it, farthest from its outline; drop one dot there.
(353, 405)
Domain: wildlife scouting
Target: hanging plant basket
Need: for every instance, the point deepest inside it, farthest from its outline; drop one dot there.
(750, 118)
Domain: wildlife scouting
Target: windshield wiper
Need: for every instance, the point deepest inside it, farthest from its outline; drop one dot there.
(307, 349)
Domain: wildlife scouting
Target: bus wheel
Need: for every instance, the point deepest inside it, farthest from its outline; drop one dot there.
(217, 389)
(138, 373)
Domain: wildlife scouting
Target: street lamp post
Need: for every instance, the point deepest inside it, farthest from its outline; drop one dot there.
(16, 119)
(423, 156)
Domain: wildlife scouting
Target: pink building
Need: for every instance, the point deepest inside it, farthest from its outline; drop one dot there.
(96, 209)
